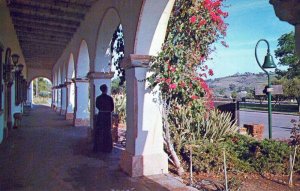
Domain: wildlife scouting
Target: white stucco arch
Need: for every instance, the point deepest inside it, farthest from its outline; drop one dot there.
(107, 27)
(64, 72)
(70, 88)
(83, 61)
(70, 68)
(41, 76)
(151, 31)
(59, 76)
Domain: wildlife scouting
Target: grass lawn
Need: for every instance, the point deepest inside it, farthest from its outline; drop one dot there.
(288, 108)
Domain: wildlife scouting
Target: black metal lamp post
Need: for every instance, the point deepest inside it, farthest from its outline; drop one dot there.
(268, 64)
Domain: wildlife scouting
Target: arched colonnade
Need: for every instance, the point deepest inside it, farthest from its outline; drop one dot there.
(85, 65)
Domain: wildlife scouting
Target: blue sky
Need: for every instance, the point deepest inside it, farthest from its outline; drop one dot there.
(249, 21)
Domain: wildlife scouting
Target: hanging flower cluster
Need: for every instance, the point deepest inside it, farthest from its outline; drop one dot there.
(179, 69)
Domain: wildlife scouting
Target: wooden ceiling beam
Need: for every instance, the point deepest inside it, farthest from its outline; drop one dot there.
(62, 5)
(43, 23)
(45, 50)
(41, 14)
(19, 24)
(43, 38)
(44, 32)
(44, 18)
(38, 10)
(42, 43)
(41, 34)
(38, 65)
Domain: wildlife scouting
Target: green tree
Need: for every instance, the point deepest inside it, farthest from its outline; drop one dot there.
(286, 54)
(43, 89)
(116, 88)
(289, 79)
(291, 88)
(234, 95)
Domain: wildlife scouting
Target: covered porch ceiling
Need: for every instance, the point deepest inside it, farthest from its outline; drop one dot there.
(44, 27)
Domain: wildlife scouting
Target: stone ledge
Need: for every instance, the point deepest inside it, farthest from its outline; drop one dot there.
(69, 116)
(81, 122)
(57, 109)
(63, 112)
(144, 165)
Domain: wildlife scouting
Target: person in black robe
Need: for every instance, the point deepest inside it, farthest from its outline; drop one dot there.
(103, 136)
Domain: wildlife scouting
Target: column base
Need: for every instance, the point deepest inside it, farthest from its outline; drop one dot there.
(69, 116)
(81, 122)
(144, 165)
(57, 109)
(63, 112)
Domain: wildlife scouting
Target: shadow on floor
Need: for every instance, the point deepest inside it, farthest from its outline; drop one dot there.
(47, 153)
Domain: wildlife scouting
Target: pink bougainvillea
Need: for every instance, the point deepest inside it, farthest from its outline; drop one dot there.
(193, 19)
(180, 69)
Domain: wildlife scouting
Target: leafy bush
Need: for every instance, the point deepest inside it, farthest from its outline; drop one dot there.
(44, 94)
(244, 154)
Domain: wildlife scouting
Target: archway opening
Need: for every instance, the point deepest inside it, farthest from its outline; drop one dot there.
(40, 88)
(118, 88)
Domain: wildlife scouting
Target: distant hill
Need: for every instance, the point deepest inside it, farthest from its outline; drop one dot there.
(237, 83)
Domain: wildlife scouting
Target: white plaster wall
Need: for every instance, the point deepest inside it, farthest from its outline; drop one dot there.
(9, 39)
(8, 36)
(36, 72)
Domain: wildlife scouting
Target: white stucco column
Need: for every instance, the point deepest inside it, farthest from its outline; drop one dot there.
(144, 154)
(58, 99)
(63, 99)
(53, 98)
(96, 80)
(70, 100)
(30, 94)
(82, 116)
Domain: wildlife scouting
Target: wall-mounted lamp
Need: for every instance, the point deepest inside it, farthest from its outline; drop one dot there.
(15, 59)
(10, 69)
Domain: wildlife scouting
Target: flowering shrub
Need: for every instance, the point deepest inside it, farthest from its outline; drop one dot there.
(180, 70)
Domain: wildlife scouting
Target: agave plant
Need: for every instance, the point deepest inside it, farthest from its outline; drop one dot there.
(217, 124)
(120, 106)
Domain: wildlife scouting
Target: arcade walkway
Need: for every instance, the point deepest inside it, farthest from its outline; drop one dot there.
(47, 153)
